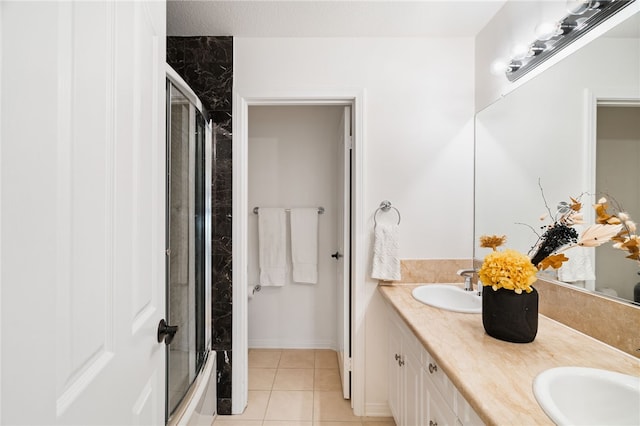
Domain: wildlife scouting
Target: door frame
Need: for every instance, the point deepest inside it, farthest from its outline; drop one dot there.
(240, 211)
(594, 98)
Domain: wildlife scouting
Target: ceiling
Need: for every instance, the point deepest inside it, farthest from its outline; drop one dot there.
(330, 18)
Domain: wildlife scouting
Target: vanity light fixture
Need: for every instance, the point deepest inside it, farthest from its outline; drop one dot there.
(583, 16)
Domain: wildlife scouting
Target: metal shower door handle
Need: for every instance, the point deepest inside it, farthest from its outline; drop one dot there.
(166, 332)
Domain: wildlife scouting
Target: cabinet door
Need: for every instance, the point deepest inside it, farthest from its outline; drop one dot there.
(394, 372)
(412, 389)
(436, 411)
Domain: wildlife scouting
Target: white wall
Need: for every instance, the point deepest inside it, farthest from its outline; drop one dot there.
(418, 143)
(293, 160)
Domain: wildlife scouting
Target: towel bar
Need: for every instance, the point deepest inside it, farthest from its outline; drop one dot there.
(385, 206)
(256, 209)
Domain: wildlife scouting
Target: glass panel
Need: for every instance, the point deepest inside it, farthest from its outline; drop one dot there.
(179, 296)
(187, 242)
(200, 241)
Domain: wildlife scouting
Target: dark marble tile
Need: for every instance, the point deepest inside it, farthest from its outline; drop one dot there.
(175, 52)
(206, 64)
(223, 361)
(222, 123)
(209, 49)
(222, 293)
(222, 330)
(221, 267)
(223, 187)
(224, 406)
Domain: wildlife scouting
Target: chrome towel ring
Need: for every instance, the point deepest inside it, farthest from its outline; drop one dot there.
(385, 206)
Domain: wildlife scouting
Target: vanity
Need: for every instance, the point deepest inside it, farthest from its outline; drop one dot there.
(445, 370)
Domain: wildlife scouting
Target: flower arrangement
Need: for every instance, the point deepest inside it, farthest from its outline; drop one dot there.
(560, 235)
(515, 271)
(507, 269)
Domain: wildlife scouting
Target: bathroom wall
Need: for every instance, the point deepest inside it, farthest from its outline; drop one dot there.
(206, 64)
(293, 161)
(418, 145)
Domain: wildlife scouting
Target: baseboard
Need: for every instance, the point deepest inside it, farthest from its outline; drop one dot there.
(377, 409)
(291, 344)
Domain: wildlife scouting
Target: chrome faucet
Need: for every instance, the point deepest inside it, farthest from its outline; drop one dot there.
(468, 286)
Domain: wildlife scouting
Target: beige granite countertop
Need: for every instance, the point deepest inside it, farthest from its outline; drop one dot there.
(496, 377)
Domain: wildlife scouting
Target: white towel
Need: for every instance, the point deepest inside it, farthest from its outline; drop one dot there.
(386, 264)
(304, 245)
(578, 267)
(272, 246)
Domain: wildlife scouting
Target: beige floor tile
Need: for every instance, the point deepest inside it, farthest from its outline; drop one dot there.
(331, 406)
(326, 358)
(286, 423)
(223, 421)
(379, 423)
(327, 379)
(297, 358)
(294, 379)
(337, 423)
(261, 378)
(256, 407)
(290, 405)
(264, 358)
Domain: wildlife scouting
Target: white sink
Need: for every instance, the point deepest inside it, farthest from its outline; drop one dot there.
(449, 297)
(588, 396)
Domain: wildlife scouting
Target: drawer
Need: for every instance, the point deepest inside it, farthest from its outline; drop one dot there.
(440, 380)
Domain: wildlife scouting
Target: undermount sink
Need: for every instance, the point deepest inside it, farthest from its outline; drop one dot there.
(449, 297)
(588, 396)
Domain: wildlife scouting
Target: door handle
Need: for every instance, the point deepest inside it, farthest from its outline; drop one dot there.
(166, 332)
(336, 255)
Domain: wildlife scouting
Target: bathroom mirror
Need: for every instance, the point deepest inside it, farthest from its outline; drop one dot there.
(543, 135)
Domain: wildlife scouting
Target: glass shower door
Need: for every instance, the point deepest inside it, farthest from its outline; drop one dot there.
(186, 215)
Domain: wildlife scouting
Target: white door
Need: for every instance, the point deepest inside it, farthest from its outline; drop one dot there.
(82, 228)
(344, 253)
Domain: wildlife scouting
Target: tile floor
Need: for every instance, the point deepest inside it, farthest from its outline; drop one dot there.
(296, 387)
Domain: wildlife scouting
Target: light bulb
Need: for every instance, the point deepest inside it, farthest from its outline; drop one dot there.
(577, 7)
(546, 30)
(499, 67)
(519, 51)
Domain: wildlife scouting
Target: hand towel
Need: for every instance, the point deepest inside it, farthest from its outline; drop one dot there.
(386, 264)
(578, 267)
(304, 245)
(272, 246)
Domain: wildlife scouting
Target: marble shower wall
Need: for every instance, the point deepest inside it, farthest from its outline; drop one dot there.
(206, 64)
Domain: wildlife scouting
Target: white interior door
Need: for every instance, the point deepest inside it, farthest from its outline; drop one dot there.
(344, 248)
(83, 212)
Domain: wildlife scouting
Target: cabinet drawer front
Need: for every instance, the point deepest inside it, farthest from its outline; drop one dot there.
(440, 380)
(439, 413)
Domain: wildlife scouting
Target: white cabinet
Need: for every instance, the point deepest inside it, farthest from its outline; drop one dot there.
(420, 393)
(405, 383)
(437, 410)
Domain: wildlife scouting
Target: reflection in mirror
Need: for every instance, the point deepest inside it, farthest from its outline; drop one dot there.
(546, 134)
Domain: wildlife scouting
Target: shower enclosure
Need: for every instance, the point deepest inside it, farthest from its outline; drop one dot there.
(188, 245)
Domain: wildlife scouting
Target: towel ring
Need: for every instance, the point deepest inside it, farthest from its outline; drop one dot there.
(385, 206)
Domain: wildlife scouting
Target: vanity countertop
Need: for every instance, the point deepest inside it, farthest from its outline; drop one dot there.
(496, 377)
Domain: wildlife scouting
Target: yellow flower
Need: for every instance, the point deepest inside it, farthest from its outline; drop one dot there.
(492, 241)
(508, 269)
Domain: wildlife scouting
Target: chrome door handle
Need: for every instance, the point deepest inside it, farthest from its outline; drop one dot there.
(166, 332)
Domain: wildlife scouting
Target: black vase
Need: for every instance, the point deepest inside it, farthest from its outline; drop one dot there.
(509, 316)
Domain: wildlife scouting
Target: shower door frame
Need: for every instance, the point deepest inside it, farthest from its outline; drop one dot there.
(241, 103)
